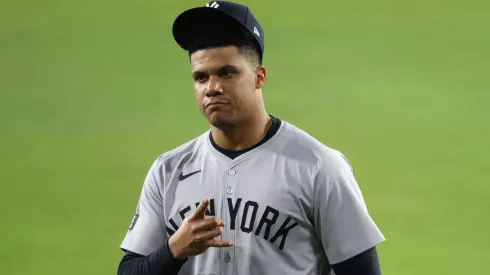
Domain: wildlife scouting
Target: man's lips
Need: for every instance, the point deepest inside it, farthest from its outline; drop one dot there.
(216, 103)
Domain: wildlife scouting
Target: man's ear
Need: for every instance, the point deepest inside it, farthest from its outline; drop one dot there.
(261, 77)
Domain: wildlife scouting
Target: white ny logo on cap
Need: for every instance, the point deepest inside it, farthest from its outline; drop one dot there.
(213, 5)
(256, 31)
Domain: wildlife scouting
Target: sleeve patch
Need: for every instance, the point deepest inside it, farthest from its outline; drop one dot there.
(133, 222)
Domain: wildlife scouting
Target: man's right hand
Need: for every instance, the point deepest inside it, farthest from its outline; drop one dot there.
(197, 233)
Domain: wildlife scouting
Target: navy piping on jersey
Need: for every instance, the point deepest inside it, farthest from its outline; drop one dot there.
(276, 124)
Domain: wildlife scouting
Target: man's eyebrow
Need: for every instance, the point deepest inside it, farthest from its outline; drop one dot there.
(220, 69)
(197, 73)
(228, 67)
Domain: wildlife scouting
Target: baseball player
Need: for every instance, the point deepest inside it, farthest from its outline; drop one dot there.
(253, 194)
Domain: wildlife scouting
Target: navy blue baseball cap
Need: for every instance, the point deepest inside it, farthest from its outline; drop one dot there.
(216, 18)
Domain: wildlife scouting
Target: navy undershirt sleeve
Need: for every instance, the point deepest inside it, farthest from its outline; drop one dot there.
(366, 263)
(160, 262)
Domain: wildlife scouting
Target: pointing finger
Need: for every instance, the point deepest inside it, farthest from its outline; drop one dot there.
(201, 209)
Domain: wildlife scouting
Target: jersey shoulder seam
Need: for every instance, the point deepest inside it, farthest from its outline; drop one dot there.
(187, 146)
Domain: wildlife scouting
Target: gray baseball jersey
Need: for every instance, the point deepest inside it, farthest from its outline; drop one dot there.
(291, 206)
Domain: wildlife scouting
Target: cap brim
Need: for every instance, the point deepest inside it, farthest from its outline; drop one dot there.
(201, 21)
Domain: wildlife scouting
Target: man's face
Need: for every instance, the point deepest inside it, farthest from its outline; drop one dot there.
(226, 85)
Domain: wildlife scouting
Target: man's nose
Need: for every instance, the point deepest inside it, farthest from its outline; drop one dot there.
(214, 87)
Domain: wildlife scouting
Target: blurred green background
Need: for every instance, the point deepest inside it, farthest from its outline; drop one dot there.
(93, 91)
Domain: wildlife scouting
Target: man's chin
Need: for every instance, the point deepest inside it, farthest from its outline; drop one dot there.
(220, 119)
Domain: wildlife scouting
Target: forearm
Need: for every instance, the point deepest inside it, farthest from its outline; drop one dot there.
(366, 263)
(161, 262)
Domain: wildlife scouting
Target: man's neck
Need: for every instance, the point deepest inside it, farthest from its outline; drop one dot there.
(244, 135)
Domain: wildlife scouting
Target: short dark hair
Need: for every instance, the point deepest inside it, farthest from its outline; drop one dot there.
(228, 36)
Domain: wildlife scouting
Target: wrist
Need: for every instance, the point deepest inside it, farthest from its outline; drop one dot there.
(174, 249)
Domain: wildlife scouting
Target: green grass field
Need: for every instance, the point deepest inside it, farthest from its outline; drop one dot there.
(91, 92)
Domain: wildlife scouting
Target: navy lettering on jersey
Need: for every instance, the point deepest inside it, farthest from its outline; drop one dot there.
(171, 231)
(184, 211)
(233, 211)
(271, 220)
(283, 232)
(250, 227)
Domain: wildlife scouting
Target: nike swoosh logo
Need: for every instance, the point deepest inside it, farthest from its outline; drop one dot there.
(183, 177)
